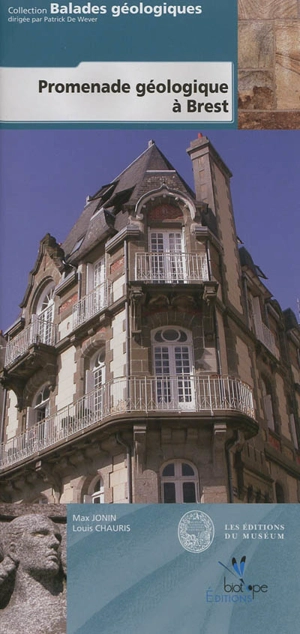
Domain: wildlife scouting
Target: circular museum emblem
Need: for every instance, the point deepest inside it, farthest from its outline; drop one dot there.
(196, 531)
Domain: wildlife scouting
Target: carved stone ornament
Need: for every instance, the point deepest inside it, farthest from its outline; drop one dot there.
(32, 580)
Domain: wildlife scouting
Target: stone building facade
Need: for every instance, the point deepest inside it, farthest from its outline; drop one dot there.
(150, 362)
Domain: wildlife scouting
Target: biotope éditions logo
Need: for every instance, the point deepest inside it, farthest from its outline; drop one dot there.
(196, 531)
(238, 591)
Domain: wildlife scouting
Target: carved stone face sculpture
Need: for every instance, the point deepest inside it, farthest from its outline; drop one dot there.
(35, 544)
(32, 588)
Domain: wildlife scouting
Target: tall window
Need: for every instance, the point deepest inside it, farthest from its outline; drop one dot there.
(268, 404)
(167, 258)
(293, 429)
(95, 382)
(96, 286)
(98, 492)
(38, 413)
(179, 483)
(172, 360)
(42, 404)
(43, 321)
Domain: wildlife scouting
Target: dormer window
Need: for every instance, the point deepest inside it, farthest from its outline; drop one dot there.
(77, 245)
(43, 320)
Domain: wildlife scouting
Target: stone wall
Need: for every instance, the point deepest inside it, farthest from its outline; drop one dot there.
(269, 64)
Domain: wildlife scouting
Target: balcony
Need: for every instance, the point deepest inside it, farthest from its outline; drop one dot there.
(143, 395)
(39, 331)
(266, 337)
(171, 268)
(91, 304)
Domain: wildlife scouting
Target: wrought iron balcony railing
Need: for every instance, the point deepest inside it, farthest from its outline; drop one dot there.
(171, 267)
(183, 393)
(38, 331)
(265, 335)
(91, 304)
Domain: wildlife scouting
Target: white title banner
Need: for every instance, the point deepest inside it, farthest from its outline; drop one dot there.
(119, 92)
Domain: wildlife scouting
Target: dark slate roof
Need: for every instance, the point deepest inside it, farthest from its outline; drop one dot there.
(290, 319)
(104, 213)
(246, 260)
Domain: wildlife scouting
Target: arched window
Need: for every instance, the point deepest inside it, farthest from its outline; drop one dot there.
(99, 369)
(173, 367)
(38, 413)
(42, 404)
(95, 384)
(98, 492)
(179, 482)
(43, 320)
(95, 491)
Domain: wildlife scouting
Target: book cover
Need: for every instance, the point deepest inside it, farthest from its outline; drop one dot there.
(150, 362)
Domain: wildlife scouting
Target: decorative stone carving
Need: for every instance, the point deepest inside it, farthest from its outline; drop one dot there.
(32, 580)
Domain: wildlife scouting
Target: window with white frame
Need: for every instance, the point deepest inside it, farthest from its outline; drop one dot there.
(42, 322)
(95, 494)
(172, 362)
(39, 411)
(42, 404)
(167, 256)
(96, 286)
(179, 482)
(95, 382)
(98, 492)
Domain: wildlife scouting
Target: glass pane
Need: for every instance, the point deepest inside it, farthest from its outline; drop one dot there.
(46, 393)
(182, 360)
(169, 492)
(99, 273)
(97, 486)
(161, 360)
(96, 500)
(41, 414)
(169, 470)
(183, 336)
(170, 335)
(100, 358)
(175, 242)
(163, 390)
(157, 242)
(189, 492)
(187, 470)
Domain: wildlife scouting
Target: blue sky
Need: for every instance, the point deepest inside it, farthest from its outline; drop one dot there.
(47, 174)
